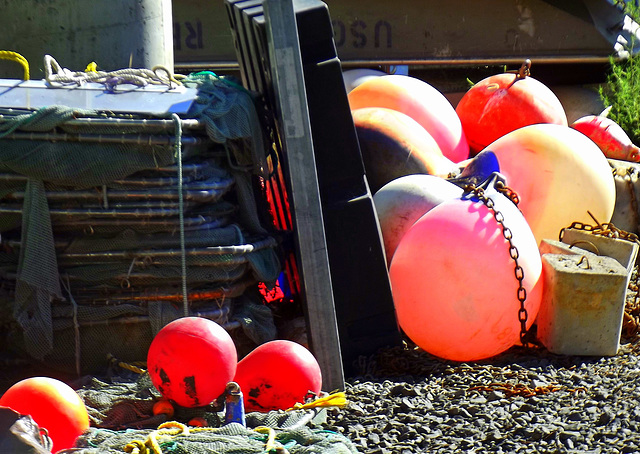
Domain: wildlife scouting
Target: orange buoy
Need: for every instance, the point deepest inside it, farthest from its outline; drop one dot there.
(394, 145)
(420, 101)
(191, 360)
(453, 279)
(276, 375)
(53, 405)
(503, 103)
(404, 200)
(559, 174)
(163, 407)
(198, 421)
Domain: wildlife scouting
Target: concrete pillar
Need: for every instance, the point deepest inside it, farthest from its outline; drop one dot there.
(114, 33)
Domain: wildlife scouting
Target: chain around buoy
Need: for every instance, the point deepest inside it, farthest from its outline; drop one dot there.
(498, 182)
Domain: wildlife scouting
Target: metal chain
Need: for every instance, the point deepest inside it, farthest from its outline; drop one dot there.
(631, 321)
(523, 315)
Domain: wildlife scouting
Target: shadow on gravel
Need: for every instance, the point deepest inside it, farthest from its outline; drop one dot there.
(412, 363)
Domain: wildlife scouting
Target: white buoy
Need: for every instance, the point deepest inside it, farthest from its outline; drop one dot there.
(354, 77)
(401, 202)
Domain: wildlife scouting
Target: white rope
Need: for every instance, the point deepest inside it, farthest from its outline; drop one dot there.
(56, 75)
(183, 254)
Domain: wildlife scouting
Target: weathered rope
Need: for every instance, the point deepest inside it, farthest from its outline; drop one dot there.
(56, 75)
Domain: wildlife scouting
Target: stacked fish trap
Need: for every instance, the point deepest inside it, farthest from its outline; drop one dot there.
(113, 223)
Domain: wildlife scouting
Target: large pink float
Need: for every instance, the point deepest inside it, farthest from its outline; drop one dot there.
(453, 279)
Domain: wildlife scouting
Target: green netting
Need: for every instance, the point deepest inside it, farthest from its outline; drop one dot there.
(229, 439)
(120, 411)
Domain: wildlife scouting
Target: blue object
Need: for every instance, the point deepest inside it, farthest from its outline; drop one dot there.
(234, 405)
(479, 169)
(482, 166)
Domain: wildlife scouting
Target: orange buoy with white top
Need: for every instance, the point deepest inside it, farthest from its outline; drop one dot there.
(394, 145)
(420, 101)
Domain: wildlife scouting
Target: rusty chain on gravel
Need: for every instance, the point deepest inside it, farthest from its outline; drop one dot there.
(520, 389)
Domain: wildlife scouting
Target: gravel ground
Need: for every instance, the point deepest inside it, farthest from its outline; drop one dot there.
(525, 400)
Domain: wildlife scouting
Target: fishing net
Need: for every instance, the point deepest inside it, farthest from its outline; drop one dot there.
(115, 224)
(122, 420)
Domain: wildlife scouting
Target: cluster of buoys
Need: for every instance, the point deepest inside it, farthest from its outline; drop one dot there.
(191, 362)
(192, 359)
(452, 265)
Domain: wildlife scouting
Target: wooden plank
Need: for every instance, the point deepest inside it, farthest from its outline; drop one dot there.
(292, 111)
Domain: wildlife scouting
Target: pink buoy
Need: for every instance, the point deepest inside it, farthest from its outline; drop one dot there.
(420, 101)
(453, 279)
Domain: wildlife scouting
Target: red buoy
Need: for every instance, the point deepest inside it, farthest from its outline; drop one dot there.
(609, 136)
(191, 360)
(276, 375)
(53, 405)
(503, 103)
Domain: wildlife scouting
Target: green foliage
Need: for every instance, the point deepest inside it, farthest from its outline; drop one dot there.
(622, 90)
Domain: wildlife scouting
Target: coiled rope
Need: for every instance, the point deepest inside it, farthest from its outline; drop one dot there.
(56, 75)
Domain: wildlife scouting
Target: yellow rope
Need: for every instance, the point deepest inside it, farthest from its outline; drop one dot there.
(133, 367)
(16, 57)
(151, 445)
(170, 429)
(136, 447)
(271, 437)
(337, 399)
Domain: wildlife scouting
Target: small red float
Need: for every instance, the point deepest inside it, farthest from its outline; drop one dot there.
(609, 136)
(276, 375)
(191, 360)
